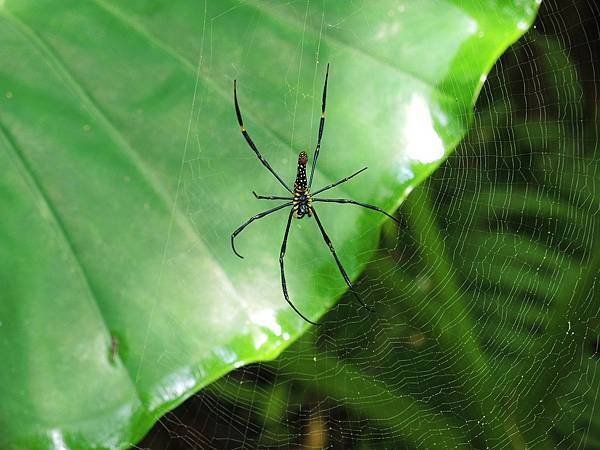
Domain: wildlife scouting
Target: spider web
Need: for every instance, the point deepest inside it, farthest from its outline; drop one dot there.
(491, 270)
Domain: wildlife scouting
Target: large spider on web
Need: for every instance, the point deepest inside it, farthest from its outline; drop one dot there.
(301, 200)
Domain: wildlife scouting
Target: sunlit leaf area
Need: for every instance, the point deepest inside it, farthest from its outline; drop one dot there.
(461, 312)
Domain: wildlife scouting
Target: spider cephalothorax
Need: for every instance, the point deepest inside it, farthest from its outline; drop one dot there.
(301, 200)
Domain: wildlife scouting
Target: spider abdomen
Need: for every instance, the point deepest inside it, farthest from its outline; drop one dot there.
(302, 200)
(302, 203)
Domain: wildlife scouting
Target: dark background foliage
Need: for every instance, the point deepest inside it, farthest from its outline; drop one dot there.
(497, 261)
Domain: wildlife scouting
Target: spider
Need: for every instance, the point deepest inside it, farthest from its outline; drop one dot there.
(301, 199)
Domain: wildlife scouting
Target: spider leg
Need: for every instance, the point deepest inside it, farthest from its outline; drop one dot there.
(270, 197)
(252, 219)
(281, 256)
(337, 260)
(364, 205)
(343, 180)
(263, 161)
(321, 125)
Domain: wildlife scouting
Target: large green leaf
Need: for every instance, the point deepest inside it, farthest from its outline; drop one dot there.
(125, 173)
